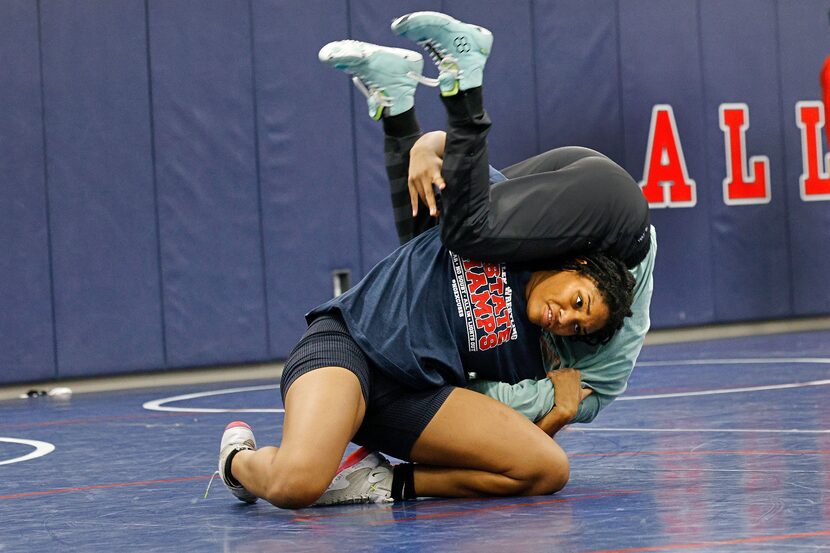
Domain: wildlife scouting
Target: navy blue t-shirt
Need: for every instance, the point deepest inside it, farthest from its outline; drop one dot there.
(425, 317)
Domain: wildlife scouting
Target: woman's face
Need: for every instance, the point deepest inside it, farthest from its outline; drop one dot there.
(565, 303)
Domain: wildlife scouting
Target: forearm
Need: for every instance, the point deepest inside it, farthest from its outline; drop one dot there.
(554, 421)
(431, 143)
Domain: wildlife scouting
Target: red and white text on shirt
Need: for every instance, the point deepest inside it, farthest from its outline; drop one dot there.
(485, 282)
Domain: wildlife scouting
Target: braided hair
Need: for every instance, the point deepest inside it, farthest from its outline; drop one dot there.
(615, 285)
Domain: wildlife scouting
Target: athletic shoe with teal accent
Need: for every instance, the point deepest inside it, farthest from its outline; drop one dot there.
(387, 77)
(459, 49)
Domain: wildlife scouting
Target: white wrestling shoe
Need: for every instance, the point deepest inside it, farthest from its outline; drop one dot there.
(365, 477)
(238, 436)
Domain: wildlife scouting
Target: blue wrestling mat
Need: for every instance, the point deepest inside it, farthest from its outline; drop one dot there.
(717, 446)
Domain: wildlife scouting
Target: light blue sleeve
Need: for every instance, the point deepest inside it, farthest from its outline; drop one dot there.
(605, 369)
(531, 398)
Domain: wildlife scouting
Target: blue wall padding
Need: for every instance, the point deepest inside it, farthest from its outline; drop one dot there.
(307, 173)
(577, 73)
(804, 39)
(100, 178)
(660, 62)
(26, 344)
(193, 175)
(749, 243)
(208, 196)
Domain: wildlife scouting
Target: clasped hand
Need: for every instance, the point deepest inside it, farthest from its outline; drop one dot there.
(568, 391)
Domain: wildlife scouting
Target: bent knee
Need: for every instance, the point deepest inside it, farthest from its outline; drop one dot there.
(554, 479)
(555, 474)
(544, 473)
(295, 492)
(296, 484)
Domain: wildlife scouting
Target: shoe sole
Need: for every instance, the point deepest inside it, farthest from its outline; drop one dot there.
(431, 19)
(424, 18)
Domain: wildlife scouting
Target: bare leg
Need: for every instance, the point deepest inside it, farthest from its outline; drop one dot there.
(323, 410)
(476, 446)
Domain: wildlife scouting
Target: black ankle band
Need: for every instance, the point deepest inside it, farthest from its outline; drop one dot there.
(398, 480)
(464, 107)
(403, 482)
(401, 125)
(228, 463)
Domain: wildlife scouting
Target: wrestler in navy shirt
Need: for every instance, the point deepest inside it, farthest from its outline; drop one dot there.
(424, 313)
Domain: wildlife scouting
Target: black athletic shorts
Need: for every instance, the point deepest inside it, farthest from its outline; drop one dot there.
(395, 414)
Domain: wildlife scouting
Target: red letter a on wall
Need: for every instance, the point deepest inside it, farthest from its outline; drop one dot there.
(666, 181)
(738, 186)
(814, 181)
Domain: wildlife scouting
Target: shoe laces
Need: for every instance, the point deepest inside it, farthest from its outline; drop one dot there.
(372, 91)
(446, 62)
(377, 93)
(435, 50)
(214, 475)
(217, 473)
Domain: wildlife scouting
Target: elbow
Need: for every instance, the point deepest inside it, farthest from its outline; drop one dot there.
(586, 418)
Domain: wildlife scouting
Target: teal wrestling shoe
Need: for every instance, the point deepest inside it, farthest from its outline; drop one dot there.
(459, 49)
(387, 77)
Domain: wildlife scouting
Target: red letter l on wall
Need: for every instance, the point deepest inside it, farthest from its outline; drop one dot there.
(814, 180)
(741, 186)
